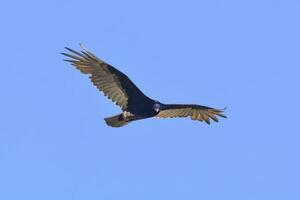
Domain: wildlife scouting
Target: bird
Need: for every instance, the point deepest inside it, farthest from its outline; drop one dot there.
(135, 105)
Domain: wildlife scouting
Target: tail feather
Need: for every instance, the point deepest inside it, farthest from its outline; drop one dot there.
(116, 121)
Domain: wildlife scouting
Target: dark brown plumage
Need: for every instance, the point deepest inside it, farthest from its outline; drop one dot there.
(135, 105)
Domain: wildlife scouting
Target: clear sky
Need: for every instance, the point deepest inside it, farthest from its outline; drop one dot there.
(244, 55)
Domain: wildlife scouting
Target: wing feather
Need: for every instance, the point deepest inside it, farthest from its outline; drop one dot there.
(196, 112)
(114, 84)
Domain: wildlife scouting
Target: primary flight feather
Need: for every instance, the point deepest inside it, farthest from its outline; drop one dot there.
(134, 103)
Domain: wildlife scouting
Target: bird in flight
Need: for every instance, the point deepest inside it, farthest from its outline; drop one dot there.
(135, 105)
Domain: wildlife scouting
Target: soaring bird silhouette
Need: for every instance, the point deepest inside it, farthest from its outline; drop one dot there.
(117, 87)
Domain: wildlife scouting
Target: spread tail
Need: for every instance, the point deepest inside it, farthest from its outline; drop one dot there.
(116, 121)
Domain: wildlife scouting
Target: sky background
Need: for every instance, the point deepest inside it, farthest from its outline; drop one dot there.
(244, 55)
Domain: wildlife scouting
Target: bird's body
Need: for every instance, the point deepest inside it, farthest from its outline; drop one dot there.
(133, 102)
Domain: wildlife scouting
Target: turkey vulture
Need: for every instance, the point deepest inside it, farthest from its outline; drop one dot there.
(117, 87)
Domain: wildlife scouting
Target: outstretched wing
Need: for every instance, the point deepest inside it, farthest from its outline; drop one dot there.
(196, 112)
(114, 84)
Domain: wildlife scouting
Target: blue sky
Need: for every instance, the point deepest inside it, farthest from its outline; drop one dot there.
(244, 55)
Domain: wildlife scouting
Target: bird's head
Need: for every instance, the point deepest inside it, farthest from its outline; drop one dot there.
(157, 107)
